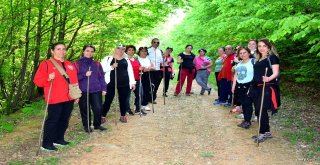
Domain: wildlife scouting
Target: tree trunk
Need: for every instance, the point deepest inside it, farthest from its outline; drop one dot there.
(53, 29)
(37, 52)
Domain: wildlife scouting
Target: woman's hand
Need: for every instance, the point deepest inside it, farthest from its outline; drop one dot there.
(88, 73)
(266, 79)
(51, 76)
(114, 65)
(133, 87)
(104, 93)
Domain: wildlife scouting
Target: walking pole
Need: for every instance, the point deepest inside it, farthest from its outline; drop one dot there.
(151, 92)
(164, 83)
(88, 108)
(261, 105)
(44, 118)
(140, 85)
(232, 100)
(115, 93)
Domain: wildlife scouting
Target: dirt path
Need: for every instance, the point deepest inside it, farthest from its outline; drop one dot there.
(187, 130)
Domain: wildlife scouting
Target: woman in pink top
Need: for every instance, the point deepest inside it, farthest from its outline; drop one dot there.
(203, 64)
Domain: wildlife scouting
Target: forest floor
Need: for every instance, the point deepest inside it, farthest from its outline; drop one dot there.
(186, 130)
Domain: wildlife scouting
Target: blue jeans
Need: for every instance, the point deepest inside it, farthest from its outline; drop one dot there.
(136, 95)
(202, 79)
(225, 90)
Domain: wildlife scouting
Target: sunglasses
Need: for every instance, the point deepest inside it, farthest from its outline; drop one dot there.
(156, 42)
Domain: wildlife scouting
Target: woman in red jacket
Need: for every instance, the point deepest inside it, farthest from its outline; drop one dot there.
(60, 103)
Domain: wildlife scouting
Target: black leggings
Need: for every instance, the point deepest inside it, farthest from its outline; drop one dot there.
(245, 100)
(123, 94)
(95, 103)
(256, 96)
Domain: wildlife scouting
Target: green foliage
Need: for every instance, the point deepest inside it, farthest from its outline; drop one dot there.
(292, 25)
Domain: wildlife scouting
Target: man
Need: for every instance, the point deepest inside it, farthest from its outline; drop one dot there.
(155, 56)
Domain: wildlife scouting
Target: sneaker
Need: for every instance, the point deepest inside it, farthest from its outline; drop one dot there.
(209, 91)
(266, 135)
(260, 139)
(218, 102)
(165, 95)
(244, 125)
(145, 108)
(240, 116)
(101, 128)
(154, 102)
(255, 119)
(216, 99)
(187, 94)
(86, 129)
(227, 105)
(130, 112)
(49, 148)
(61, 143)
(175, 94)
(123, 119)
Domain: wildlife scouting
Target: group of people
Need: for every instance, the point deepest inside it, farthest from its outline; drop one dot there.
(249, 78)
(122, 73)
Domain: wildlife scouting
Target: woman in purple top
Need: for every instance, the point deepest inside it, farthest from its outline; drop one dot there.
(92, 70)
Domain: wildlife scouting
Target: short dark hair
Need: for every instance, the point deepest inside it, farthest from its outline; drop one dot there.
(189, 45)
(130, 46)
(169, 48)
(245, 48)
(141, 49)
(202, 49)
(53, 46)
(88, 46)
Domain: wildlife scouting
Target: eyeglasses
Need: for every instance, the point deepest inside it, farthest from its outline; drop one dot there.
(156, 42)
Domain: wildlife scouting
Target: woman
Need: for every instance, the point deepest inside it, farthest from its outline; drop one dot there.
(92, 70)
(241, 83)
(203, 65)
(60, 103)
(146, 67)
(267, 57)
(130, 51)
(169, 71)
(186, 70)
(125, 81)
(218, 65)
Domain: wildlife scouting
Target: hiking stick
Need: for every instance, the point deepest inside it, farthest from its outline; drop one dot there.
(140, 85)
(151, 92)
(261, 105)
(164, 83)
(88, 108)
(115, 92)
(232, 100)
(44, 118)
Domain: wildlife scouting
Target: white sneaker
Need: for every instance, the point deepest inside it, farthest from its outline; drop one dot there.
(240, 116)
(146, 108)
(255, 119)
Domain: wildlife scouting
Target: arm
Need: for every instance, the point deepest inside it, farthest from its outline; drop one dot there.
(275, 74)
(235, 77)
(210, 64)
(132, 81)
(41, 78)
(105, 63)
(102, 81)
(180, 60)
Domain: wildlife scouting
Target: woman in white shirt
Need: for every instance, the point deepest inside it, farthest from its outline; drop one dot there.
(146, 66)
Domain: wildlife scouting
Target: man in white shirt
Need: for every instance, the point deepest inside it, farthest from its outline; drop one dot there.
(155, 56)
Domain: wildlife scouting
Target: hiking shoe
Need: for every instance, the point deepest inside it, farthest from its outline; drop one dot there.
(209, 91)
(259, 139)
(50, 148)
(240, 116)
(255, 119)
(218, 102)
(266, 135)
(61, 143)
(165, 95)
(142, 112)
(86, 129)
(130, 112)
(154, 102)
(145, 108)
(101, 128)
(244, 125)
(227, 105)
(188, 94)
(123, 119)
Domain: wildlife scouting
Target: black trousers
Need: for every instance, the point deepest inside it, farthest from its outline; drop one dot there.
(217, 82)
(156, 80)
(57, 122)
(123, 94)
(95, 103)
(256, 96)
(146, 90)
(167, 77)
(245, 100)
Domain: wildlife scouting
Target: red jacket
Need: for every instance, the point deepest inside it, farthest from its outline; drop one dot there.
(135, 66)
(226, 70)
(60, 89)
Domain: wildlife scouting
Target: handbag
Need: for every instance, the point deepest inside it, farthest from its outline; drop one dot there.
(74, 90)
